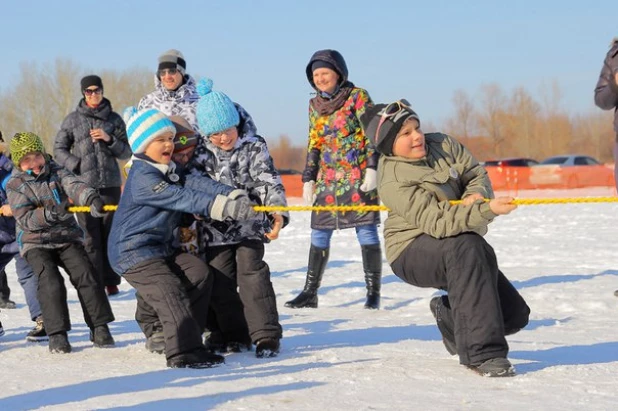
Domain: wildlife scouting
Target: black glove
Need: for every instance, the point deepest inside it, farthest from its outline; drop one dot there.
(239, 206)
(60, 212)
(96, 207)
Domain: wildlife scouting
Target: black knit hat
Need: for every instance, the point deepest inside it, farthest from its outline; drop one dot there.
(391, 125)
(91, 80)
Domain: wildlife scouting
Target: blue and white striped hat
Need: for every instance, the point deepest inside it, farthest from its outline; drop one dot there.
(144, 126)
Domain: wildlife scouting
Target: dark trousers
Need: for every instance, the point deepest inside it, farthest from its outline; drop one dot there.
(484, 304)
(52, 293)
(240, 269)
(96, 233)
(174, 292)
(5, 291)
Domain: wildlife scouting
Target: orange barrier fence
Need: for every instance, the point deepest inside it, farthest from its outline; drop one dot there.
(550, 176)
(293, 185)
(517, 178)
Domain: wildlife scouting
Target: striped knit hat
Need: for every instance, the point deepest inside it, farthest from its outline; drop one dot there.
(144, 126)
(24, 143)
(172, 59)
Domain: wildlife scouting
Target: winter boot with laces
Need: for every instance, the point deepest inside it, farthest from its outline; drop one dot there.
(494, 367)
(441, 310)
(101, 337)
(38, 333)
(308, 298)
(267, 348)
(372, 266)
(199, 358)
(59, 343)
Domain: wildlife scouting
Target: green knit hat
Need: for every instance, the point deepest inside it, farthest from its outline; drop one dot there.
(24, 143)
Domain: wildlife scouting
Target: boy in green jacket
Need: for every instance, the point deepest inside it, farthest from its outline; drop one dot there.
(432, 243)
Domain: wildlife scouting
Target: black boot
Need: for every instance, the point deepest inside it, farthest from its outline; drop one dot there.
(318, 257)
(372, 265)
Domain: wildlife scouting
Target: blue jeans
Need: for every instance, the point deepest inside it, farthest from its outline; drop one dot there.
(366, 235)
(30, 283)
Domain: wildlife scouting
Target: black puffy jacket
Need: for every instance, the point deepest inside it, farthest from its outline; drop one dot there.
(95, 163)
(606, 92)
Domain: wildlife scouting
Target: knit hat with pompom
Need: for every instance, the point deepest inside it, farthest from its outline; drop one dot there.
(143, 126)
(215, 111)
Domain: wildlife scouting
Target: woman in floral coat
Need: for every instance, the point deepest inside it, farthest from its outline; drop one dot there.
(340, 170)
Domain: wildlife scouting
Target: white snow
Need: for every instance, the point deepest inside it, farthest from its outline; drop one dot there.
(562, 258)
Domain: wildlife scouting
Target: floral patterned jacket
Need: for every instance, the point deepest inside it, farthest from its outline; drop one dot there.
(338, 155)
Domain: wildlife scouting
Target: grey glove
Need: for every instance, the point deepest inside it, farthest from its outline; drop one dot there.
(96, 207)
(239, 207)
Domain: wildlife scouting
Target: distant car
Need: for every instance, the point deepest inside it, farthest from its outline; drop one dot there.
(509, 173)
(572, 171)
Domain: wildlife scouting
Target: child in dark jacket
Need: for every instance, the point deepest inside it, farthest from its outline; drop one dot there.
(233, 153)
(141, 248)
(39, 192)
(9, 250)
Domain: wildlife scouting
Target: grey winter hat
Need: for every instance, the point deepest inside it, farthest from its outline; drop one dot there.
(382, 122)
(172, 59)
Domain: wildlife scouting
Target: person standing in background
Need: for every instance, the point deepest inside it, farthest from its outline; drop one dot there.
(340, 170)
(90, 141)
(606, 96)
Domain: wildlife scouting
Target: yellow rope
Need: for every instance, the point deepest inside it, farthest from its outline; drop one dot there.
(367, 208)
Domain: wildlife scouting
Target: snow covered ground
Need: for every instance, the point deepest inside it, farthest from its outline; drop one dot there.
(562, 258)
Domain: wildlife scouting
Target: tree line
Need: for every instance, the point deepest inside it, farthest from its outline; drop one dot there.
(493, 124)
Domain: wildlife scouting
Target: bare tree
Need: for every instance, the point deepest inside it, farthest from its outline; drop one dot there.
(463, 124)
(491, 114)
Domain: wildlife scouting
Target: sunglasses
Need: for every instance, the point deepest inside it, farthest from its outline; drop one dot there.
(170, 71)
(91, 91)
(390, 111)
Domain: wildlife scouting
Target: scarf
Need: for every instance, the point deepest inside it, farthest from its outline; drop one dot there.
(327, 106)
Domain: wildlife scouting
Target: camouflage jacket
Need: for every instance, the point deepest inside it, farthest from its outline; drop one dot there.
(32, 198)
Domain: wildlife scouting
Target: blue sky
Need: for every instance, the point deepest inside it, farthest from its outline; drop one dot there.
(256, 51)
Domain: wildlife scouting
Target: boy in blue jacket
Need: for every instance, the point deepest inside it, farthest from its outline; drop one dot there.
(141, 247)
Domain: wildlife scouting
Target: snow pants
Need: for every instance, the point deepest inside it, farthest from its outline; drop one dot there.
(484, 304)
(174, 292)
(52, 293)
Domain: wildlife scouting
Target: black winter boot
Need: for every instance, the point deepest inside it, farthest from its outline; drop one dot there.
(101, 337)
(318, 257)
(372, 265)
(59, 343)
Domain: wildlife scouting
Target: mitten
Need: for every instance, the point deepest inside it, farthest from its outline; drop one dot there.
(370, 182)
(309, 192)
(96, 207)
(60, 212)
(239, 206)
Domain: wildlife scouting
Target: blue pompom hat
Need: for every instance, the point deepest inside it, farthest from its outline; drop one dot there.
(143, 126)
(215, 111)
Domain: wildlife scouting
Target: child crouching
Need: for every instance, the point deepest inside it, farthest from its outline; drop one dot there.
(141, 247)
(49, 237)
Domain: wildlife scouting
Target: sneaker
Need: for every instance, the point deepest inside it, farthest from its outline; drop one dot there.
(7, 304)
(267, 347)
(59, 343)
(494, 367)
(38, 333)
(101, 337)
(199, 358)
(438, 309)
(1, 330)
(156, 342)
(111, 290)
